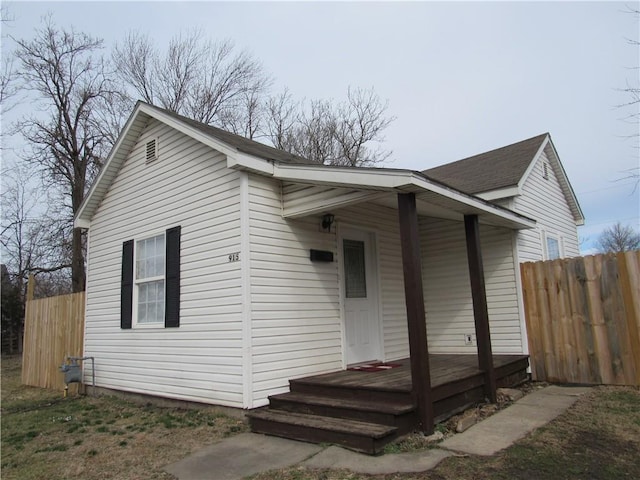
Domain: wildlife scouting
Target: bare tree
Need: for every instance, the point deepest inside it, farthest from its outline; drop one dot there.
(31, 243)
(65, 71)
(632, 92)
(213, 83)
(281, 112)
(618, 238)
(32, 236)
(12, 313)
(8, 87)
(329, 133)
(207, 81)
(360, 123)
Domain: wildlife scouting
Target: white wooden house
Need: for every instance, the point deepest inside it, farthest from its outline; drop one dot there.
(219, 269)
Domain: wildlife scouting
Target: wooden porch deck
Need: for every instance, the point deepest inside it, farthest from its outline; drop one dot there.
(366, 410)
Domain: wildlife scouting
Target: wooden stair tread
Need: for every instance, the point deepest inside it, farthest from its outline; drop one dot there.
(332, 380)
(337, 425)
(361, 405)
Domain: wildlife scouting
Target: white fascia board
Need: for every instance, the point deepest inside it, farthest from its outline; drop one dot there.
(390, 180)
(565, 185)
(188, 130)
(345, 177)
(532, 164)
(244, 161)
(114, 161)
(81, 223)
(476, 203)
(567, 189)
(500, 193)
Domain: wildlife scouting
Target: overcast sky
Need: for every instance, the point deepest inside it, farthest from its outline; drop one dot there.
(461, 78)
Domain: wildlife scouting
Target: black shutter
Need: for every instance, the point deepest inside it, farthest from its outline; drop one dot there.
(172, 293)
(126, 285)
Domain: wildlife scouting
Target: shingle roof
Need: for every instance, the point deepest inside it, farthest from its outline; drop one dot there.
(242, 144)
(499, 168)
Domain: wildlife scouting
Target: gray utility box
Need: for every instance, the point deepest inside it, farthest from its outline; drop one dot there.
(72, 372)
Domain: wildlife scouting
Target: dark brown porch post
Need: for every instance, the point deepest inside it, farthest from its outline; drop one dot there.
(414, 298)
(480, 311)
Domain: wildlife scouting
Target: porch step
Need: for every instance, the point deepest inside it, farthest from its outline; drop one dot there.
(360, 436)
(311, 386)
(400, 415)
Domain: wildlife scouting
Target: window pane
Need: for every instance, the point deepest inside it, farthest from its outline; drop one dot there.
(553, 248)
(141, 271)
(354, 269)
(151, 302)
(150, 257)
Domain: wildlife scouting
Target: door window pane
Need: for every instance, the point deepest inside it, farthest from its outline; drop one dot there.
(354, 269)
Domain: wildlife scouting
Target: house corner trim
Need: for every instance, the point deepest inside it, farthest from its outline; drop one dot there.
(245, 273)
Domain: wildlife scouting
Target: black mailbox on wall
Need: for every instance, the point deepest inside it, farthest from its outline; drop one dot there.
(320, 256)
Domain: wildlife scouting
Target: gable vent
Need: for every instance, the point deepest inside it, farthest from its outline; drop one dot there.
(152, 150)
(545, 171)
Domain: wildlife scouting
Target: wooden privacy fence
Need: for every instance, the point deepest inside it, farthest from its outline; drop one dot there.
(53, 330)
(583, 319)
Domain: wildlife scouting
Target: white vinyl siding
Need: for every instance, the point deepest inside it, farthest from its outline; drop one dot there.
(543, 200)
(448, 303)
(188, 185)
(295, 309)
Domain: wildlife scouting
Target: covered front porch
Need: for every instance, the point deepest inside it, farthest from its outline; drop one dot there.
(413, 223)
(365, 410)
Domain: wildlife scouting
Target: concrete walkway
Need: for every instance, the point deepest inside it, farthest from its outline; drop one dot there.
(249, 453)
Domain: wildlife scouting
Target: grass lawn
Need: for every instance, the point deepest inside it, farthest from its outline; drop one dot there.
(597, 438)
(45, 436)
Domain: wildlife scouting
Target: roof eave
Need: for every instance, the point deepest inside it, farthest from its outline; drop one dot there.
(565, 185)
(142, 112)
(500, 193)
(89, 204)
(379, 179)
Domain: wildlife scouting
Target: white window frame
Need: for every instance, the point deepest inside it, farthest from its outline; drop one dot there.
(558, 240)
(137, 282)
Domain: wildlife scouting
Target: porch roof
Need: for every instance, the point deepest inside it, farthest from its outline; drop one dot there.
(315, 189)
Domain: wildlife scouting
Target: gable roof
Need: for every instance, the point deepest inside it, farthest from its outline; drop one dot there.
(502, 172)
(244, 154)
(500, 168)
(239, 142)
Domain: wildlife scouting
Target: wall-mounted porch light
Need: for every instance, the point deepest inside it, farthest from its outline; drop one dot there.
(327, 221)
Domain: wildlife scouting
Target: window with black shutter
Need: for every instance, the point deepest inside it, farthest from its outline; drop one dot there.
(151, 281)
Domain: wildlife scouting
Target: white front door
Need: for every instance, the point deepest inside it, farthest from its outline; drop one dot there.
(360, 290)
